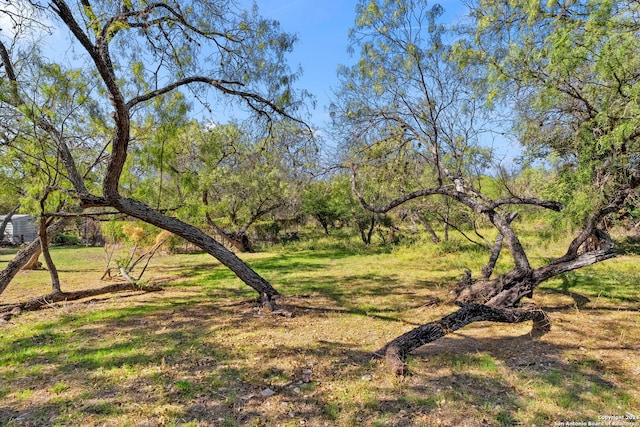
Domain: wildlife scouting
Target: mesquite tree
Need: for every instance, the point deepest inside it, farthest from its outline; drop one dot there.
(568, 75)
(126, 55)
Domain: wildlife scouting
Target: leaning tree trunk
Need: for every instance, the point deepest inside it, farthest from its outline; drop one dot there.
(239, 241)
(120, 140)
(44, 247)
(22, 257)
(199, 238)
(396, 351)
(428, 227)
(508, 289)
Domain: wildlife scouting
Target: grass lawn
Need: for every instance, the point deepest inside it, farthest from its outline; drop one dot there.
(200, 353)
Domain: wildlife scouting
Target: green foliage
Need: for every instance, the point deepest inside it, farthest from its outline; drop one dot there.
(267, 230)
(65, 239)
(231, 172)
(407, 115)
(115, 111)
(570, 72)
(150, 356)
(328, 201)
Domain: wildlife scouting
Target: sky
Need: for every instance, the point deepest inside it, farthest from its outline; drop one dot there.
(322, 28)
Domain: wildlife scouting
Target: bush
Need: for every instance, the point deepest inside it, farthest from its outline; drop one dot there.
(64, 239)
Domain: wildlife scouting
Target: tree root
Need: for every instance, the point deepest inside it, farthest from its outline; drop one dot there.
(396, 351)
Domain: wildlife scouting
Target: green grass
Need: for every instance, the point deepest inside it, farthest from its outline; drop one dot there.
(200, 353)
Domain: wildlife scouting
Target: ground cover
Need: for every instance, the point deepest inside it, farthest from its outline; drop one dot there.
(200, 353)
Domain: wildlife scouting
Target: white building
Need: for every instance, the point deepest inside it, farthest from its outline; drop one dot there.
(20, 229)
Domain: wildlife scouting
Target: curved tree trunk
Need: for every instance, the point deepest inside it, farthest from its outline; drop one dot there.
(495, 301)
(44, 247)
(324, 223)
(508, 289)
(487, 269)
(25, 255)
(396, 351)
(98, 51)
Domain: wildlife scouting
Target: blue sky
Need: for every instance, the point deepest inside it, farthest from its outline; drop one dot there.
(322, 28)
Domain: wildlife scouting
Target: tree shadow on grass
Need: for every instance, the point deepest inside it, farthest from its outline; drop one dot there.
(620, 286)
(198, 361)
(476, 371)
(124, 361)
(156, 360)
(630, 245)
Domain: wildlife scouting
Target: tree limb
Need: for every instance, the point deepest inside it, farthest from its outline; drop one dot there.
(395, 352)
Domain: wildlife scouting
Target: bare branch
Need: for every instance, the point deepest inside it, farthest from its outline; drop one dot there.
(548, 204)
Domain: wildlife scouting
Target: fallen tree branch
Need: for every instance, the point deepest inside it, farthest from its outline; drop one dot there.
(46, 300)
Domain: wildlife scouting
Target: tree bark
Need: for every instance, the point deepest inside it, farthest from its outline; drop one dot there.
(324, 223)
(44, 247)
(396, 351)
(496, 300)
(427, 226)
(487, 269)
(366, 234)
(238, 240)
(22, 257)
(98, 50)
(509, 288)
(446, 223)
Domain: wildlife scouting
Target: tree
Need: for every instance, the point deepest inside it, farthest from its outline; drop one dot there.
(244, 177)
(407, 116)
(566, 60)
(228, 175)
(137, 52)
(327, 201)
